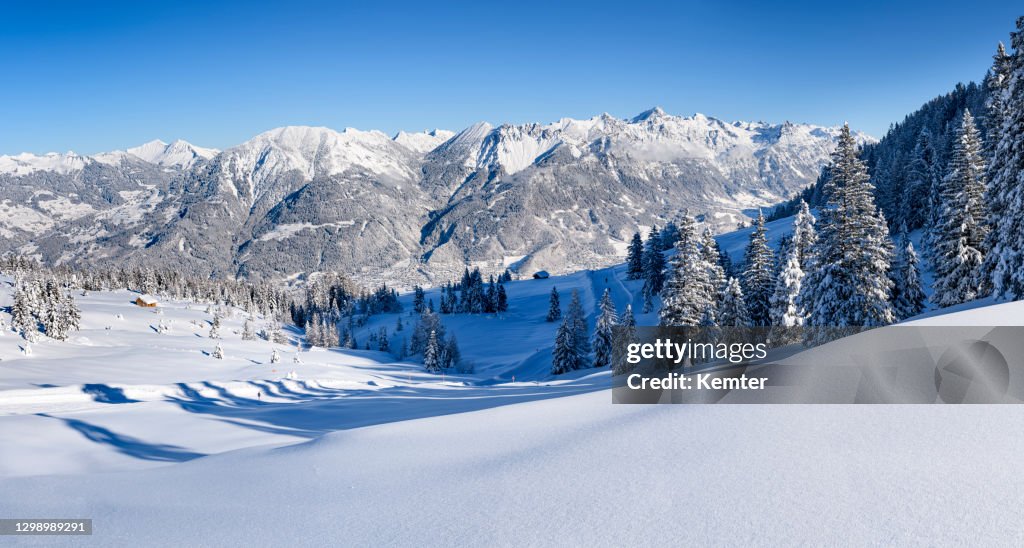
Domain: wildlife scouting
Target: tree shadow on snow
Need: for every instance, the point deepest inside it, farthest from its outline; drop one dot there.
(128, 445)
(311, 414)
(106, 394)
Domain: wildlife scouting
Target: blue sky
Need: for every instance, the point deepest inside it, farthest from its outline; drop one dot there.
(98, 77)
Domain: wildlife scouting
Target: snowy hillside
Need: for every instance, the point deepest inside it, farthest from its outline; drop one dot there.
(204, 451)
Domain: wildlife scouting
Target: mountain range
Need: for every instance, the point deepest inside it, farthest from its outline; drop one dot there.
(409, 208)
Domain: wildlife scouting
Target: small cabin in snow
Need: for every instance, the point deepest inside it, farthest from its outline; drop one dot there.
(541, 275)
(146, 301)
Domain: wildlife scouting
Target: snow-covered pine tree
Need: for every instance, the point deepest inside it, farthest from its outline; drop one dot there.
(247, 333)
(215, 327)
(804, 234)
(330, 333)
(907, 296)
(274, 356)
(996, 269)
(786, 312)
(276, 335)
(71, 312)
(22, 319)
(847, 283)
(578, 323)
(51, 317)
(607, 319)
(1008, 164)
(218, 352)
(428, 322)
(554, 307)
(711, 255)
(758, 274)
(432, 354)
(688, 290)
(635, 258)
(382, 340)
(654, 267)
(627, 335)
(566, 356)
(915, 206)
(732, 312)
(962, 223)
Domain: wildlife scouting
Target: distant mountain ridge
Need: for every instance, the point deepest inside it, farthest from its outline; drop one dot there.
(414, 207)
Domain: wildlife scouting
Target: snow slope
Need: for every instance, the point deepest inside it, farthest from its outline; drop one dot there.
(163, 445)
(579, 470)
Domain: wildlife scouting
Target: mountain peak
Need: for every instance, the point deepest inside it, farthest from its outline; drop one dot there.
(179, 153)
(650, 114)
(424, 141)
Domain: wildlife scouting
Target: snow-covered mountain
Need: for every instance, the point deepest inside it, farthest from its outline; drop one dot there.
(558, 196)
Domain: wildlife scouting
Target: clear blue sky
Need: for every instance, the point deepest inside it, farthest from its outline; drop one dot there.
(98, 77)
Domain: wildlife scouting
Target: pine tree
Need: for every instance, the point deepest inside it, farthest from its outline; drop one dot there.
(804, 234)
(635, 258)
(247, 333)
(627, 335)
(921, 183)
(628, 320)
(606, 320)
(578, 323)
(711, 255)
(654, 268)
(274, 356)
(428, 322)
(1002, 258)
(215, 327)
(501, 304)
(786, 311)
(758, 279)
(218, 352)
(431, 354)
(1008, 160)
(554, 307)
(566, 356)
(733, 310)
(73, 316)
(669, 235)
(417, 299)
(961, 229)
(451, 353)
(382, 340)
(847, 284)
(725, 261)
(688, 291)
(22, 319)
(907, 296)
